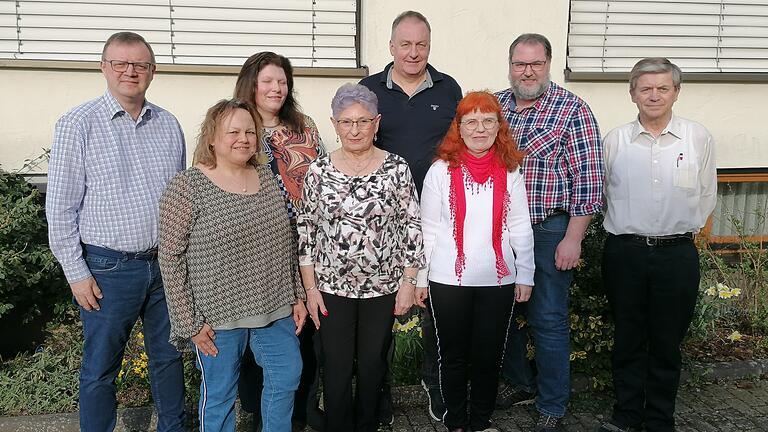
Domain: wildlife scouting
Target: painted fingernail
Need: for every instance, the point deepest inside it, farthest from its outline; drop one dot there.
(325, 313)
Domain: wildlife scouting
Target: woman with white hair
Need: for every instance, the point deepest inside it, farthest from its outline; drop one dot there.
(360, 248)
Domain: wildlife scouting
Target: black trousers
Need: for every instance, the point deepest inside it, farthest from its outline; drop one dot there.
(251, 381)
(652, 291)
(472, 325)
(354, 330)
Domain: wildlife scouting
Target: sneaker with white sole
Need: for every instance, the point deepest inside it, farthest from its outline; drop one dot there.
(436, 408)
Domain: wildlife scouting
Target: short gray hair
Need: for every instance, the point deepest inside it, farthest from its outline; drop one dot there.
(531, 38)
(413, 15)
(350, 94)
(655, 65)
(127, 38)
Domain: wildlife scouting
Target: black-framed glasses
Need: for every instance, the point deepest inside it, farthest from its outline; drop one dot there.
(122, 66)
(362, 124)
(538, 66)
(473, 124)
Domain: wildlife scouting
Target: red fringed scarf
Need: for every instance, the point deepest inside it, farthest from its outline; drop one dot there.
(478, 171)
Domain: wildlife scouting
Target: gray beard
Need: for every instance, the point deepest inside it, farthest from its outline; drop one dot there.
(529, 94)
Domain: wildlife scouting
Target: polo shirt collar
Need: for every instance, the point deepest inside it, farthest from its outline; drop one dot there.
(432, 75)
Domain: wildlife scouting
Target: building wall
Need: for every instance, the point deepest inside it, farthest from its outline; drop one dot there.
(469, 42)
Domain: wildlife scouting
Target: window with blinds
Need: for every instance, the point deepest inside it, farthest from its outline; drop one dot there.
(312, 33)
(713, 36)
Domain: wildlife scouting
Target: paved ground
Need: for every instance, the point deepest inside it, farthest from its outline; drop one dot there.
(740, 406)
(729, 407)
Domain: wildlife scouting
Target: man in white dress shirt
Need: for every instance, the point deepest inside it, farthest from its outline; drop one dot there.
(660, 187)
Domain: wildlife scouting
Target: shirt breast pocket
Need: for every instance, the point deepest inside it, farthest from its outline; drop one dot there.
(685, 176)
(542, 143)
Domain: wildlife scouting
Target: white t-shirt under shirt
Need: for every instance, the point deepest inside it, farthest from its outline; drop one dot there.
(440, 246)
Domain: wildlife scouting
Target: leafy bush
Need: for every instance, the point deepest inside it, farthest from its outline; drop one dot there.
(46, 381)
(409, 352)
(590, 322)
(30, 278)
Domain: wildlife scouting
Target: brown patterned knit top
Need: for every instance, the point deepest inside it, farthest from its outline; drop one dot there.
(224, 256)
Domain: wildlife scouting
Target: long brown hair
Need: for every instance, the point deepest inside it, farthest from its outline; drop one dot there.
(452, 147)
(290, 113)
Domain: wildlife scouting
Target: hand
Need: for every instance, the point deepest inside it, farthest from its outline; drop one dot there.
(316, 306)
(203, 340)
(567, 253)
(87, 293)
(404, 298)
(299, 315)
(522, 292)
(420, 295)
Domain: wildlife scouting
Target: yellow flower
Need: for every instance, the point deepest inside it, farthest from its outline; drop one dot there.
(711, 291)
(406, 327)
(735, 336)
(736, 292)
(725, 294)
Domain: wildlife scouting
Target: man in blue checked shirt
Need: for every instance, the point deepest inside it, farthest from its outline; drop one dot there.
(110, 161)
(563, 170)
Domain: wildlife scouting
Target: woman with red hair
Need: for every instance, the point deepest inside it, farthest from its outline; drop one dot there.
(474, 190)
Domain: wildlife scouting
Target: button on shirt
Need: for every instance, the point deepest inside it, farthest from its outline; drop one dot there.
(563, 165)
(105, 177)
(659, 186)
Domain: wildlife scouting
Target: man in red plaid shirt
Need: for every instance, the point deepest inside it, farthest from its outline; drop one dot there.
(563, 171)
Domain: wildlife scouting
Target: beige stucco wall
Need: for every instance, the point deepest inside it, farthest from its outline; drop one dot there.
(470, 41)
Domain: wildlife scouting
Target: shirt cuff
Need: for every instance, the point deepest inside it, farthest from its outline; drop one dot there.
(76, 271)
(422, 279)
(525, 278)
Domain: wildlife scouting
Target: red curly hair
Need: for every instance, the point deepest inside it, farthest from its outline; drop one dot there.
(452, 147)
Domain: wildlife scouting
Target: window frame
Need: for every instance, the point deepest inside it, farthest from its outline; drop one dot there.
(357, 71)
(735, 175)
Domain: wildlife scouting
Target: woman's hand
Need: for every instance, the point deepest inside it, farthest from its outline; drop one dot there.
(299, 315)
(316, 306)
(420, 295)
(203, 340)
(405, 298)
(522, 292)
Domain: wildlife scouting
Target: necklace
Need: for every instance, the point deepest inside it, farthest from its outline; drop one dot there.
(359, 166)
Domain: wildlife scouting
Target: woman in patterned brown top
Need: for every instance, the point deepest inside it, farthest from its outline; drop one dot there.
(291, 142)
(359, 252)
(230, 281)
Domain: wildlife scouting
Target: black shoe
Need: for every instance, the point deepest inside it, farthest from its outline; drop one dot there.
(546, 423)
(611, 427)
(508, 397)
(316, 419)
(436, 408)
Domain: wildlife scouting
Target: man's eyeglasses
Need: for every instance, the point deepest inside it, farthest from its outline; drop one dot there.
(537, 66)
(122, 66)
(473, 124)
(362, 124)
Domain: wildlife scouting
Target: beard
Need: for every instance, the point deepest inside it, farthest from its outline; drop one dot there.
(527, 93)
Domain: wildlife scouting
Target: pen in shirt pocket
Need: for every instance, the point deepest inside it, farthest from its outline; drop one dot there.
(679, 158)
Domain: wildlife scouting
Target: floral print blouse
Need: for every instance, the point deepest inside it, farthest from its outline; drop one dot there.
(360, 232)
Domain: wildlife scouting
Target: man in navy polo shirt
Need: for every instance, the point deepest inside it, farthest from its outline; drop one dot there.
(417, 104)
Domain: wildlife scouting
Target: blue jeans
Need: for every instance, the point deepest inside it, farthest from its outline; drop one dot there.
(547, 312)
(132, 289)
(276, 349)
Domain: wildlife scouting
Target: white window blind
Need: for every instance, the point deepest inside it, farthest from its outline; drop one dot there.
(698, 36)
(312, 33)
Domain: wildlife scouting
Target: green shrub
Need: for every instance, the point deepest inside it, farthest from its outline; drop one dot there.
(409, 352)
(30, 278)
(590, 322)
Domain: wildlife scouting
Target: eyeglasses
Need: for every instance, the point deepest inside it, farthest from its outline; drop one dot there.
(472, 124)
(538, 66)
(362, 124)
(122, 66)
